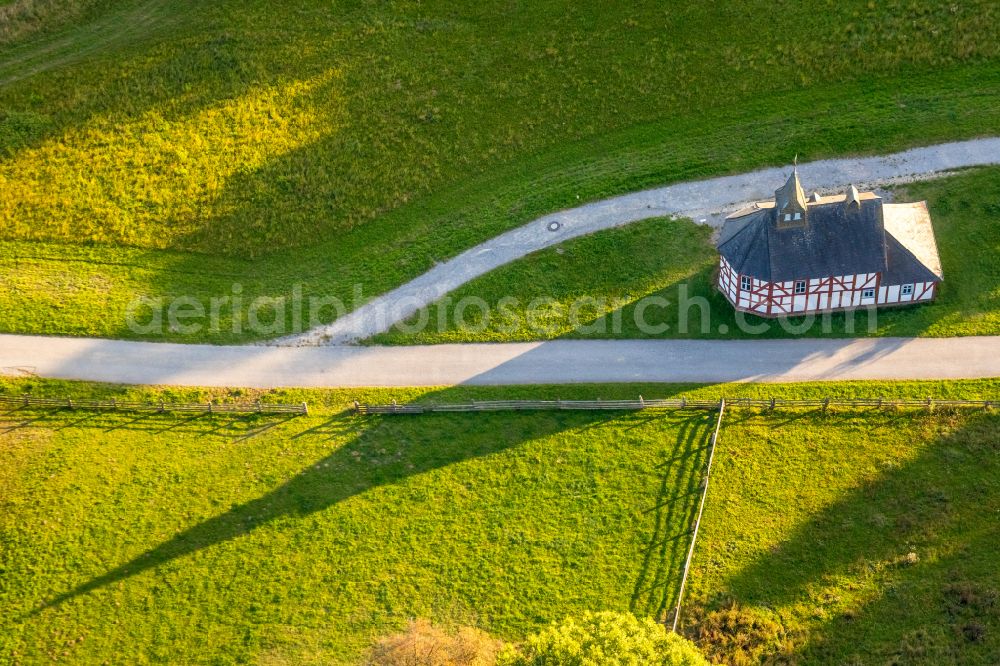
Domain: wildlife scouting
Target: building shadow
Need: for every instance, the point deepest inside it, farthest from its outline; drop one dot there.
(925, 533)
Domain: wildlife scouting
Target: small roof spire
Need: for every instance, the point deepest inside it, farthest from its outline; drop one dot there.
(791, 194)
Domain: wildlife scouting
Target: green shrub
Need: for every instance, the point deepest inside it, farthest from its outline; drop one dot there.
(604, 639)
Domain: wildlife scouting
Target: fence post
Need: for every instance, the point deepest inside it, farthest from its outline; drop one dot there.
(930, 405)
(826, 405)
(772, 404)
(305, 408)
(642, 403)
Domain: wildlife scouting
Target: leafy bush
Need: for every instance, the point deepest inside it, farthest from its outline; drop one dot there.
(604, 639)
(423, 644)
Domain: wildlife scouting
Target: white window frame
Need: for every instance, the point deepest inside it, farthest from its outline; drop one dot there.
(868, 293)
(800, 283)
(906, 290)
(798, 216)
(788, 217)
(746, 283)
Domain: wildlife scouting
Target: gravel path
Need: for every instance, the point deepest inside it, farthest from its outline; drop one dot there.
(707, 200)
(557, 362)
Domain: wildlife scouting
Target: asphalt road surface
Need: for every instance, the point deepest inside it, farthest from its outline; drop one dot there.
(556, 362)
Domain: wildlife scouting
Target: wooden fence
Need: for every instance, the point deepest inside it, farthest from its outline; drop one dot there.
(929, 404)
(701, 511)
(114, 405)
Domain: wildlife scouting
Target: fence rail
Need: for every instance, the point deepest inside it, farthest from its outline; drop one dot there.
(668, 403)
(161, 406)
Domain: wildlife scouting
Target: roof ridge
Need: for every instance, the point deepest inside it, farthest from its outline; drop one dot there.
(757, 225)
(881, 226)
(739, 232)
(770, 258)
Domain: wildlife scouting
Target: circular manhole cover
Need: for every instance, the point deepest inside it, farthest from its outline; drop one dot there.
(554, 225)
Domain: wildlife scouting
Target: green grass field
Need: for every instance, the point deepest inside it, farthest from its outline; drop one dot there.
(176, 148)
(676, 260)
(264, 540)
(867, 537)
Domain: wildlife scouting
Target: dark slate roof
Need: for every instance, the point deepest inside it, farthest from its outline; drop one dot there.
(837, 240)
(733, 227)
(904, 267)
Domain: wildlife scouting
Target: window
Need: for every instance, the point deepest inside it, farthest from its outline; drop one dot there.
(907, 289)
(791, 219)
(745, 283)
(867, 293)
(800, 287)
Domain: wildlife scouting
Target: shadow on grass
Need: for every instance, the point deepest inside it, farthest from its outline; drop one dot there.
(353, 468)
(676, 504)
(234, 428)
(940, 604)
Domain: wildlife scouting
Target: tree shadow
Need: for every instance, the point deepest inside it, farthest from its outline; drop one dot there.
(925, 533)
(379, 455)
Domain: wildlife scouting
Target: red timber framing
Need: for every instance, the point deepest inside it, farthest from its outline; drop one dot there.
(925, 291)
(779, 299)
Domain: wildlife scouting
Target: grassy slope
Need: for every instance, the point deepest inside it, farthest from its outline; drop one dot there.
(812, 520)
(376, 140)
(297, 541)
(21, 20)
(660, 257)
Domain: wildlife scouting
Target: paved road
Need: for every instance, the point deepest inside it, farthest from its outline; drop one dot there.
(701, 199)
(557, 362)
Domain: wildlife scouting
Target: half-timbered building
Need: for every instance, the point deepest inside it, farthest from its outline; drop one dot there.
(798, 255)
